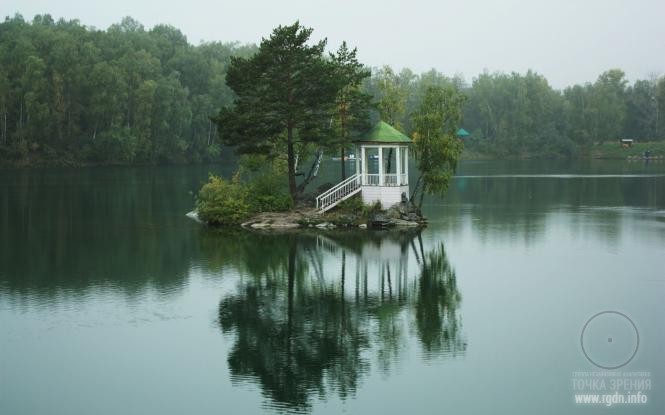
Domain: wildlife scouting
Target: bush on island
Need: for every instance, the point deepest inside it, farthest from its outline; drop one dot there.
(230, 202)
(222, 202)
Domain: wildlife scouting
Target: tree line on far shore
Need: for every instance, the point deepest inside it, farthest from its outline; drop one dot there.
(72, 94)
(522, 115)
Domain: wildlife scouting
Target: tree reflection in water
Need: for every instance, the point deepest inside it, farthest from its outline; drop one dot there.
(304, 327)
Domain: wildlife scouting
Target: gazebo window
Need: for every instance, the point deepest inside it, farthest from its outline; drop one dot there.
(403, 160)
(389, 166)
(371, 163)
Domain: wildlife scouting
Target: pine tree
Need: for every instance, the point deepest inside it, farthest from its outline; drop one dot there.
(284, 96)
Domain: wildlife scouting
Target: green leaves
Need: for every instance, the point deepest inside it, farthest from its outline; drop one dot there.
(351, 107)
(286, 95)
(351, 112)
(393, 94)
(436, 149)
(229, 202)
(286, 85)
(221, 202)
(148, 95)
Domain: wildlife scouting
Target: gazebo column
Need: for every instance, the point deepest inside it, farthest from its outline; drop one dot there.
(398, 166)
(406, 164)
(363, 166)
(380, 166)
(357, 161)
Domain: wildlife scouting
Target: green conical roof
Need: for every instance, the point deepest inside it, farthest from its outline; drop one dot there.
(383, 133)
(462, 133)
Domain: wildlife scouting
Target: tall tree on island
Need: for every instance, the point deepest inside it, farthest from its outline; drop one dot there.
(436, 149)
(284, 96)
(351, 104)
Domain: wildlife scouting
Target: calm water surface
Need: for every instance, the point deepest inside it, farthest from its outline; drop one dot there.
(113, 302)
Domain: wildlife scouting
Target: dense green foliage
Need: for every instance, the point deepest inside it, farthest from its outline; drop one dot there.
(257, 186)
(267, 189)
(222, 202)
(284, 98)
(436, 149)
(352, 105)
(71, 93)
(292, 100)
(522, 115)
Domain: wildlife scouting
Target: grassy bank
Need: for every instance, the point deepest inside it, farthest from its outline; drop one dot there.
(614, 151)
(609, 150)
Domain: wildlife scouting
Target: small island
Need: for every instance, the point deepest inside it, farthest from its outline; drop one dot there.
(293, 104)
(381, 179)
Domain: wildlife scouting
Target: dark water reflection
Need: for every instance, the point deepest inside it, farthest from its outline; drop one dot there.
(80, 228)
(303, 328)
(111, 301)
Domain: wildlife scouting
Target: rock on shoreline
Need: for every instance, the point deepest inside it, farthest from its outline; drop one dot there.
(397, 216)
(277, 220)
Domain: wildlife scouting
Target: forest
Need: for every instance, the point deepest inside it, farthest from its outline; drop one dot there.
(521, 115)
(71, 94)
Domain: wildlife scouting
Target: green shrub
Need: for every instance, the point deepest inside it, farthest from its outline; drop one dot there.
(268, 192)
(221, 202)
(279, 202)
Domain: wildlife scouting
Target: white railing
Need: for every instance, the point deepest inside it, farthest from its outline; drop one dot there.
(389, 179)
(372, 179)
(337, 193)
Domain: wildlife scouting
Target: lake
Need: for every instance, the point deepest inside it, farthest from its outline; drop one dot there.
(533, 282)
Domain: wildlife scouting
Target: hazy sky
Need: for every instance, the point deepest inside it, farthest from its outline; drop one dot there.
(568, 41)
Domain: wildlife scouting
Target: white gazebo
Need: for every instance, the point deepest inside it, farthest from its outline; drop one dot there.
(382, 170)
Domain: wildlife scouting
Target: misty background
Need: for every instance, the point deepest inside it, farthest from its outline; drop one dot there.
(567, 41)
(129, 83)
